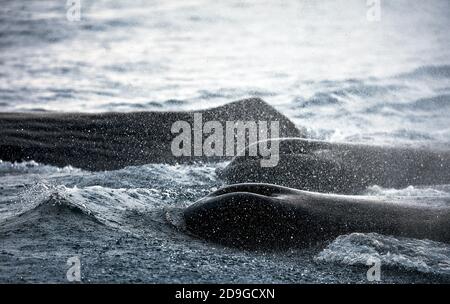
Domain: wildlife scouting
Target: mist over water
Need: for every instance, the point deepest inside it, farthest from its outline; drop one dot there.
(321, 63)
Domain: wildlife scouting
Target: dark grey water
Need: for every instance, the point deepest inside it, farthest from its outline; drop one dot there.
(115, 222)
(322, 64)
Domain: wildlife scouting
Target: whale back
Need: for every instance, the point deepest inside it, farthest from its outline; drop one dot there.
(341, 168)
(108, 141)
(268, 217)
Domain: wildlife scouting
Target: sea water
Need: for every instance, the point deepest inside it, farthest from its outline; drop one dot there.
(324, 64)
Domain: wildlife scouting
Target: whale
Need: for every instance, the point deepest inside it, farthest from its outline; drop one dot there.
(257, 216)
(341, 168)
(110, 141)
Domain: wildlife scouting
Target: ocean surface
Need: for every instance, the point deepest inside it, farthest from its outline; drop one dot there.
(321, 63)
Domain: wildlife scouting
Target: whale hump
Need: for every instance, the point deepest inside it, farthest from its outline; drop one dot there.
(109, 141)
(269, 217)
(342, 168)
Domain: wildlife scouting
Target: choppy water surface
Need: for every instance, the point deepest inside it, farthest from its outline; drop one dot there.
(116, 223)
(322, 64)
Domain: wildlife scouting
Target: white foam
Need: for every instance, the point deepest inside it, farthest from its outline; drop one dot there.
(423, 256)
(32, 167)
(410, 191)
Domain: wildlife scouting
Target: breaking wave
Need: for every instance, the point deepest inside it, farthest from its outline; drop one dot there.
(422, 256)
(33, 167)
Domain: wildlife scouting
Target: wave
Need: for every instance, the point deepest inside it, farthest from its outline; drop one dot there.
(439, 102)
(32, 24)
(433, 71)
(29, 167)
(370, 96)
(45, 205)
(442, 191)
(423, 256)
(437, 196)
(130, 199)
(319, 99)
(55, 208)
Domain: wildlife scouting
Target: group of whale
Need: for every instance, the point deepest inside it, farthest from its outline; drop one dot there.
(311, 196)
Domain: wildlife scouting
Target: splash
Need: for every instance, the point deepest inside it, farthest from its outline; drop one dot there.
(422, 256)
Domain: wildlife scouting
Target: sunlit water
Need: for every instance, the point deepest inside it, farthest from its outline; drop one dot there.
(323, 64)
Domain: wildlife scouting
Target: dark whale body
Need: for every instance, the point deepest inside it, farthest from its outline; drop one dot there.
(247, 215)
(109, 141)
(262, 216)
(342, 168)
